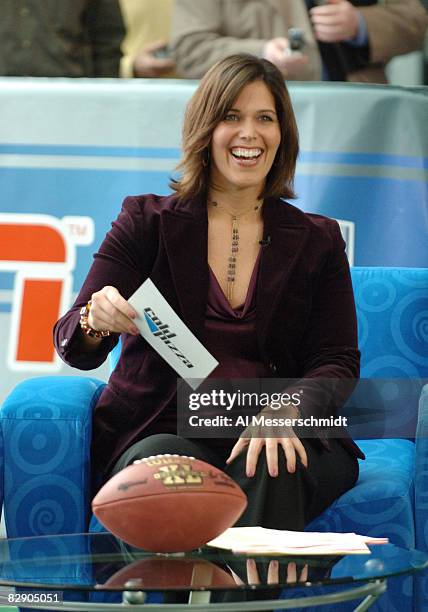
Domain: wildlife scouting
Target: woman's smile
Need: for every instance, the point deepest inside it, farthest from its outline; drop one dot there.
(246, 156)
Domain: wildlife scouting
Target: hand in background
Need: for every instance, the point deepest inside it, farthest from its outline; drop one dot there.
(337, 21)
(277, 51)
(147, 65)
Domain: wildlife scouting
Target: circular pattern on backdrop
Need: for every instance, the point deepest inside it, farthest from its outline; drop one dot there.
(410, 277)
(390, 366)
(30, 451)
(376, 295)
(50, 507)
(411, 313)
(46, 516)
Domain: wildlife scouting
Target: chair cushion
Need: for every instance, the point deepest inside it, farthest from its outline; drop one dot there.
(46, 447)
(391, 309)
(381, 503)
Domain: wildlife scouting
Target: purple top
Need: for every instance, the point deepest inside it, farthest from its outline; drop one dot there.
(230, 333)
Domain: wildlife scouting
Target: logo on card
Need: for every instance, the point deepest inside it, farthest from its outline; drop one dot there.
(162, 331)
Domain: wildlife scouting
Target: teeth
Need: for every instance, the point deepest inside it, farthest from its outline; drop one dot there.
(246, 153)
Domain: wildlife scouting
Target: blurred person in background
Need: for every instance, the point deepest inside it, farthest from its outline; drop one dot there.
(357, 39)
(70, 38)
(206, 31)
(145, 47)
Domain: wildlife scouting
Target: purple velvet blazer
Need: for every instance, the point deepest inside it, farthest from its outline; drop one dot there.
(306, 322)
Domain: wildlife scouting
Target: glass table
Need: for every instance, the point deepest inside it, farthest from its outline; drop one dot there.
(99, 572)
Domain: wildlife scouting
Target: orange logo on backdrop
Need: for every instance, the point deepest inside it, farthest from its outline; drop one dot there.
(38, 249)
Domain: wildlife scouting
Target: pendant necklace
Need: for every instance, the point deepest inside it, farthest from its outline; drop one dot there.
(234, 245)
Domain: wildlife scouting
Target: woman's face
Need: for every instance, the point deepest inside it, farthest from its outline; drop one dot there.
(245, 142)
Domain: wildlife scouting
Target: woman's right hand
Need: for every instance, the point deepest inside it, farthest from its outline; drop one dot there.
(110, 311)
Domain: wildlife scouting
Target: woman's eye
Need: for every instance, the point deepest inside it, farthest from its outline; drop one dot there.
(231, 117)
(265, 118)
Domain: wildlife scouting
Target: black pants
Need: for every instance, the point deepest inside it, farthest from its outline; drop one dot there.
(288, 501)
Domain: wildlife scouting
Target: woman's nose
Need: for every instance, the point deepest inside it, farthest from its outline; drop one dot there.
(248, 129)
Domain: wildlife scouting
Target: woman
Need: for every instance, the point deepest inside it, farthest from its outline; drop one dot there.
(264, 286)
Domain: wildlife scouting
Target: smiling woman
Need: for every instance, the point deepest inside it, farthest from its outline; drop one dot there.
(233, 82)
(264, 286)
(240, 146)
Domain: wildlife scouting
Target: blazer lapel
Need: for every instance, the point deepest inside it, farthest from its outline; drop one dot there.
(185, 231)
(286, 243)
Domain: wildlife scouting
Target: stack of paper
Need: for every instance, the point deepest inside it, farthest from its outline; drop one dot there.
(257, 540)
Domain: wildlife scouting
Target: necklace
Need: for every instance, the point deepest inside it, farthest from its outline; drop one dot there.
(234, 245)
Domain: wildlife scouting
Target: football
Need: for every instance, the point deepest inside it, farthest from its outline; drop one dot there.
(169, 503)
(165, 573)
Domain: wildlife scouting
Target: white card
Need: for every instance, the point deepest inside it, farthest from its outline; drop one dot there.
(169, 336)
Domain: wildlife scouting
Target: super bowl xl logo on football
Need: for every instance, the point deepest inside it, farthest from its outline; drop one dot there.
(40, 251)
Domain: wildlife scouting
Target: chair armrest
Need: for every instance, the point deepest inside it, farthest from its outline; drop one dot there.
(421, 473)
(46, 426)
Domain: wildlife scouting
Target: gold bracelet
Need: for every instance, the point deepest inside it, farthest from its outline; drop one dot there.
(89, 331)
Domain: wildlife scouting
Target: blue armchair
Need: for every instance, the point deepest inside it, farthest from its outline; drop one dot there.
(46, 433)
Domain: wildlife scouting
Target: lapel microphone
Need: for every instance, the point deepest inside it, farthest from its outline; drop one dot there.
(265, 242)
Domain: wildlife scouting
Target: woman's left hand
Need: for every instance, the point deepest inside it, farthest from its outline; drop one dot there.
(290, 445)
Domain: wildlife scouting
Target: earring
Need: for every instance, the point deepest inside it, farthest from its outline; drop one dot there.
(205, 158)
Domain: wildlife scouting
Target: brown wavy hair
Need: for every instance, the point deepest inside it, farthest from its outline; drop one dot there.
(210, 103)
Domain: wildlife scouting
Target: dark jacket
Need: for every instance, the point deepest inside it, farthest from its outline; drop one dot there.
(65, 38)
(306, 323)
(341, 59)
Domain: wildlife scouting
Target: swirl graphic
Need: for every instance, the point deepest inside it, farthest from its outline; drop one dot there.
(46, 516)
(409, 328)
(411, 277)
(39, 398)
(420, 326)
(376, 295)
(390, 366)
(28, 445)
(43, 507)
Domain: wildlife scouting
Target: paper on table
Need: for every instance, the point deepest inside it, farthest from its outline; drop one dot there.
(169, 336)
(273, 541)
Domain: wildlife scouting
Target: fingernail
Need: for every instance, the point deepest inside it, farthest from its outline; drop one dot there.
(250, 474)
(274, 473)
(135, 330)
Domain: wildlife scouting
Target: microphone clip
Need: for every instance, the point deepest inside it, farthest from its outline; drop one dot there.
(265, 242)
